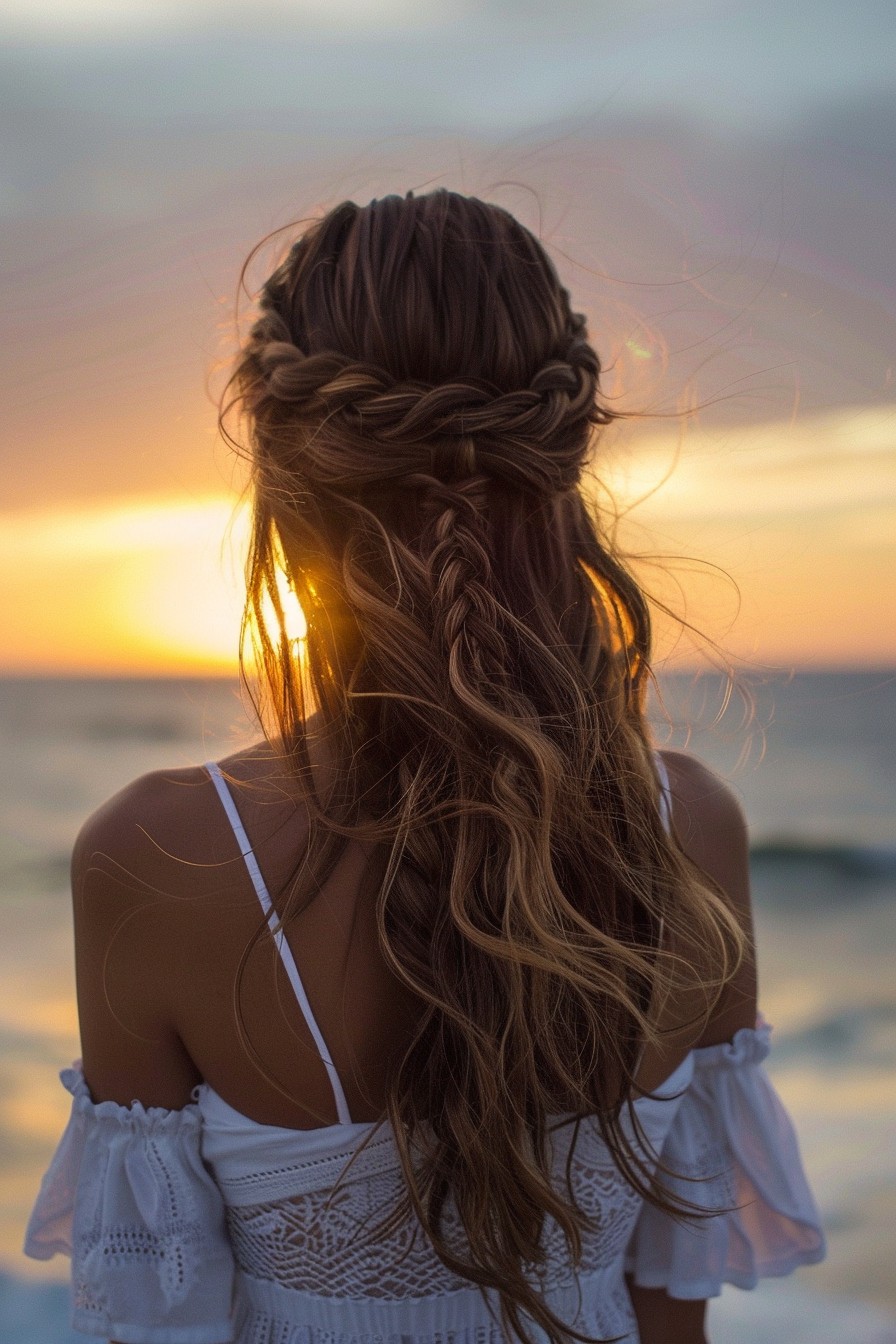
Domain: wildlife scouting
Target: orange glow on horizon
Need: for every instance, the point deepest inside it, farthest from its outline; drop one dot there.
(795, 526)
(137, 587)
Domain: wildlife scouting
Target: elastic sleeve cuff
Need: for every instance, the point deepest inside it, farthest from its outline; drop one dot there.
(129, 1198)
(732, 1152)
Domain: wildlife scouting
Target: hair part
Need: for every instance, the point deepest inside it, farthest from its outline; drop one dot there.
(421, 404)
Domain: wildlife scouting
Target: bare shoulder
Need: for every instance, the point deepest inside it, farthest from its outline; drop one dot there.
(122, 894)
(164, 820)
(163, 847)
(709, 823)
(152, 868)
(702, 800)
(134, 825)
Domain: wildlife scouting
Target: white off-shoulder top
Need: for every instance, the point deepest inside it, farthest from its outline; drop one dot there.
(201, 1226)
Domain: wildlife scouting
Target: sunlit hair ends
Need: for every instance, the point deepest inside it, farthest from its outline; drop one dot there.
(420, 405)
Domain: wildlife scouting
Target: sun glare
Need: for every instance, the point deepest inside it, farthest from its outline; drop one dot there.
(144, 587)
(295, 625)
(138, 587)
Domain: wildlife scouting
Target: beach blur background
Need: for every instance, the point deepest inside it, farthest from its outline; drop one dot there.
(715, 181)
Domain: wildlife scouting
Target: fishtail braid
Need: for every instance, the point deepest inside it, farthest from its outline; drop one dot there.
(464, 610)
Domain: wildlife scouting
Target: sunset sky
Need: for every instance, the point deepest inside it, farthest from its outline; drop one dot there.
(714, 179)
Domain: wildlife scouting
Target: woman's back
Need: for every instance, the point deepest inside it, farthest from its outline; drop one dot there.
(168, 884)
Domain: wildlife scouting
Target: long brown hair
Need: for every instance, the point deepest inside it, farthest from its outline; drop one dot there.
(422, 405)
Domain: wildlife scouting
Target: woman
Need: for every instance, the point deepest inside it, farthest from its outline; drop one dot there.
(432, 1019)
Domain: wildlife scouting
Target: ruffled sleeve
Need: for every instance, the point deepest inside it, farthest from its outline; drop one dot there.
(732, 1133)
(128, 1197)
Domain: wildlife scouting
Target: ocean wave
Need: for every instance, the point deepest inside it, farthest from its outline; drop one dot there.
(839, 860)
(861, 1034)
(36, 875)
(122, 729)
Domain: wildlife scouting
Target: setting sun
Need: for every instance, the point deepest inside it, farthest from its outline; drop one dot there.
(132, 587)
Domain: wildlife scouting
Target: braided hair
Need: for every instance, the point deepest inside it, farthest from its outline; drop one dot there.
(421, 404)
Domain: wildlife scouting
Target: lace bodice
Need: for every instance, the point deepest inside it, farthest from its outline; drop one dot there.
(305, 1222)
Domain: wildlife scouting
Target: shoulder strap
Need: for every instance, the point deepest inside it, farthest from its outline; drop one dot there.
(665, 814)
(665, 809)
(282, 945)
(665, 791)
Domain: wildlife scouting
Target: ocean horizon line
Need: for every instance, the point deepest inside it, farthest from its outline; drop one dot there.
(759, 672)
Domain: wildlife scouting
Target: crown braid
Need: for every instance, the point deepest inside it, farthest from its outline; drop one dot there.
(533, 438)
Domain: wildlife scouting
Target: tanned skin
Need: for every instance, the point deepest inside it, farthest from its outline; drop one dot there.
(710, 826)
(164, 910)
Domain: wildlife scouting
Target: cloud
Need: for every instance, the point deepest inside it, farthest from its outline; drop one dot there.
(838, 466)
(475, 64)
(107, 20)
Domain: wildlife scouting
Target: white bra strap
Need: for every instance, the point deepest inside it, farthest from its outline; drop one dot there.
(665, 791)
(666, 816)
(282, 945)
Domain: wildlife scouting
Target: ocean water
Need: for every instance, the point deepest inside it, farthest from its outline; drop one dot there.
(814, 761)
